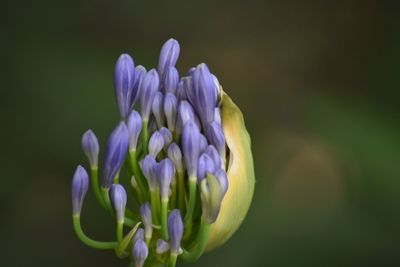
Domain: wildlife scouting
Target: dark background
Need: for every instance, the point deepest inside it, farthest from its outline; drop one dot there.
(317, 81)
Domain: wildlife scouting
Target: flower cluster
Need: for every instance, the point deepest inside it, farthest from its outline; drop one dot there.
(169, 152)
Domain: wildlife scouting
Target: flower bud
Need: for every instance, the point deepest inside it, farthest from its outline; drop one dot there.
(216, 137)
(156, 144)
(124, 75)
(205, 166)
(162, 246)
(186, 113)
(138, 235)
(140, 252)
(140, 72)
(175, 230)
(203, 143)
(180, 91)
(175, 154)
(170, 81)
(202, 95)
(80, 185)
(90, 147)
(217, 116)
(118, 198)
(167, 135)
(149, 168)
(211, 193)
(165, 173)
(158, 108)
(168, 56)
(115, 153)
(148, 88)
(170, 107)
(191, 147)
(134, 124)
(145, 214)
(213, 153)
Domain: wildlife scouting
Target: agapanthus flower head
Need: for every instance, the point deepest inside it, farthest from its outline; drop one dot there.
(90, 147)
(184, 153)
(116, 149)
(80, 184)
(124, 78)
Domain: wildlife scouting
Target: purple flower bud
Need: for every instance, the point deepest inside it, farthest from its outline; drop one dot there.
(175, 154)
(80, 184)
(124, 75)
(167, 135)
(175, 230)
(206, 166)
(118, 198)
(180, 91)
(216, 137)
(134, 124)
(148, 88)
(171, 79)
(191, 147)
(117, 146)
(188, 88)
(166, 172)
(90, 147)
(140, 252)
(170, 106)
(203, 143)
(145, 214)
(202, 95)
(222, 179)
(186, 113)
(149, 168)
(168, 56)
(213, 153)
(139, 235)
(162, 246)
(140, 72)
(191, 70)
(158, 108)
(156, 144)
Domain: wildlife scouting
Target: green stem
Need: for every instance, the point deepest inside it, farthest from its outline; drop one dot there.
(172, 259)
(88, 241)
(164, 214)
(145, 136)
(106, 198)
(181, 191)
(120, 230)
(96, 187)
(202, 239)
(191, 205)
(139, 177)
(155, 204)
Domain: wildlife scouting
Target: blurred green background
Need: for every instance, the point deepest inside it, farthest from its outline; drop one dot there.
(317, 81)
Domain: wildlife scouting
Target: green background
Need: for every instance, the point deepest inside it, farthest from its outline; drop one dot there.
(317, 81)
